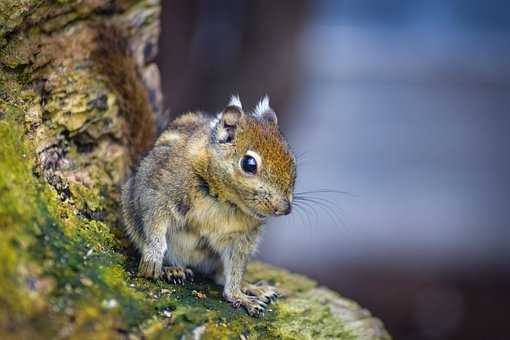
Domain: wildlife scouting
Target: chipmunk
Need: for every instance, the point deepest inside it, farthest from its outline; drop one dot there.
(198, 200)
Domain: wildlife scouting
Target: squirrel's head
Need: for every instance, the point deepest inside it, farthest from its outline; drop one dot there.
(252, 162)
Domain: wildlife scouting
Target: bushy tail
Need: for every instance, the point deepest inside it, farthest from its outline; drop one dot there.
(133, 224)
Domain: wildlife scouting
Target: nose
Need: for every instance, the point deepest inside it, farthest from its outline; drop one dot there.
(284, 208)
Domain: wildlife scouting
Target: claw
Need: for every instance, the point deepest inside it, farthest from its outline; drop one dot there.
(262, 292)
(177, 275)
(189, 274)
(257, 311)
(254, 306)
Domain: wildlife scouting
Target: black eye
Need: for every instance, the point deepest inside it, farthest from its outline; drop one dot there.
(249, 165)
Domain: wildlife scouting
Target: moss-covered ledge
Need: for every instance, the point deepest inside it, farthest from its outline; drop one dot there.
(69, 129)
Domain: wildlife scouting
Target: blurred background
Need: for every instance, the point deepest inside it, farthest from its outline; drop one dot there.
(405, 105)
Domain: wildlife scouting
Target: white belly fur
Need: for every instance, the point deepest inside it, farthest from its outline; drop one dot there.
(210, 225)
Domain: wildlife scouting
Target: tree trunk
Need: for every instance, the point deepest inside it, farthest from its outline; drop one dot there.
(79, 97)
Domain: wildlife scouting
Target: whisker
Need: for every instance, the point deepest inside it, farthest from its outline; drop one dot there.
(302, 215)
(301, 158)
(311, 204)
(311, 213)
(322, 199)
(302, 208)
(327, 206)
(300, 155)
(324, 191)
(311, 207)
(308, 209)
(297, 214)
(331, 205)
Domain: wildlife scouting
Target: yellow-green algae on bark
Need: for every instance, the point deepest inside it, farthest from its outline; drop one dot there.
(66, 270)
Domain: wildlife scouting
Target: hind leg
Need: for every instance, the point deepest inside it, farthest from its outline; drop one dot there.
(153, 248)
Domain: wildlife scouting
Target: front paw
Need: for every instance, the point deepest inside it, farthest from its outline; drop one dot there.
(149, 269)
(177, 275)
(262, 291)
(252, 304)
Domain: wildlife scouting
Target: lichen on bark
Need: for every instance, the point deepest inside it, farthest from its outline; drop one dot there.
(79, 96)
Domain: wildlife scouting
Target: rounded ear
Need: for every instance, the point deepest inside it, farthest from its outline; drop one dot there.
(228, 120)
(231, 116)
(264, 112)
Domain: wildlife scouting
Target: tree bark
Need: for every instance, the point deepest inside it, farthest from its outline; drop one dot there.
(79, 98)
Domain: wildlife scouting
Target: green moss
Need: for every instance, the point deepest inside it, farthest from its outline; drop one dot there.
(12, 212)
(284, 280)
(17, 52)
(300, 318)
(13, 12)
(87, 198)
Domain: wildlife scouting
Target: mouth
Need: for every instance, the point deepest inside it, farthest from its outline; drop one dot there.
(259, 216)
(248, 211)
